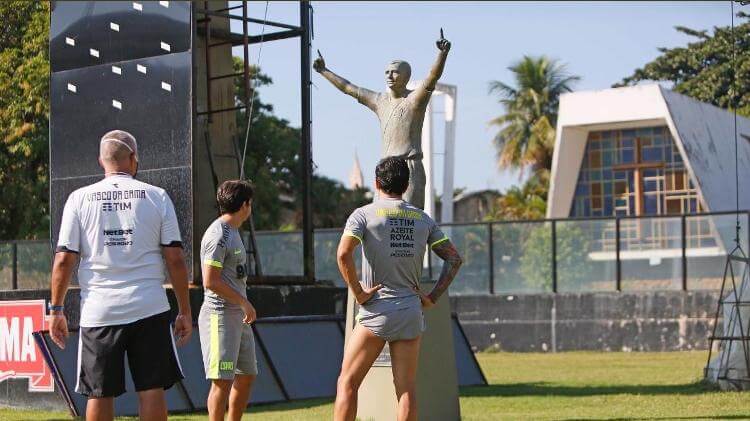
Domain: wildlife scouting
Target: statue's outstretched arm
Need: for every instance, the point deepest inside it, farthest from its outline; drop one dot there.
(436, 70)
(339, 82)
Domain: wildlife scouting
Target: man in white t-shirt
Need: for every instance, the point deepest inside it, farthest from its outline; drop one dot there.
(123, 231)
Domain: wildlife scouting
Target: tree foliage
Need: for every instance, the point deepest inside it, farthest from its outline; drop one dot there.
(24, 120)
(572, 253)
(526, 136)
(528, 201)
(704, 69)
(527, 127)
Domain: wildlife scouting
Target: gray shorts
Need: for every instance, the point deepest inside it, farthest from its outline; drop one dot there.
(227, 344)
(393, 319)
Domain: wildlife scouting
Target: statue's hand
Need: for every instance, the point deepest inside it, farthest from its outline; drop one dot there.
(319, 64)
(442, 43)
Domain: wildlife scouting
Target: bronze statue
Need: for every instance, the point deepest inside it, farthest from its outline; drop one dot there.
(400, 111)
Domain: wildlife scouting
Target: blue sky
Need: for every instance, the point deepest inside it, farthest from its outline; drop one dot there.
(600, 41)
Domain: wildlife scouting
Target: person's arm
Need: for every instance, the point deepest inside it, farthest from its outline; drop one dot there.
(212, 280)
(66, 258)
(178, 277)
(345, 260)
(451, 263)
(62, 269)
(171, 250)
(339, 82)
(436, 70)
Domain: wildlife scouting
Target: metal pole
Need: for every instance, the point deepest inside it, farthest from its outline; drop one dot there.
(684, 252)
(492, 258)
(308, 251)
(618, 262)
(14, 279)
(554, 256)
(246, 56)
(208, 66)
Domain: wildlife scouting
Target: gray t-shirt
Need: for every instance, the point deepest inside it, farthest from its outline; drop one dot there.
(222, 247)
(394, 235)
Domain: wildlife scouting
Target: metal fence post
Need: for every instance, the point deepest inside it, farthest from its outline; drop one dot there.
(618, 262)
(14, 257)
(492, 258)
(554, 256)
(683, 234)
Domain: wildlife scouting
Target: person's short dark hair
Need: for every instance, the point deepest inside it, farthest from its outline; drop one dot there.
(232, 194)
(392, 175)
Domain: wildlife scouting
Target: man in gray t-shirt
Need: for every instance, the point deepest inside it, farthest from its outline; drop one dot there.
(227, 341)
(222, 248)
(393, 235)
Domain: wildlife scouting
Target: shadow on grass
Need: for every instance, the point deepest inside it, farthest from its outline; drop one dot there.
(547, 389)
(288, 406)
(721, 417)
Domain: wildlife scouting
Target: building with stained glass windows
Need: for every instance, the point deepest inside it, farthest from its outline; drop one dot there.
(641, 174)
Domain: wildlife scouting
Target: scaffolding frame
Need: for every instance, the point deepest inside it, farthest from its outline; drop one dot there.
(303, 31)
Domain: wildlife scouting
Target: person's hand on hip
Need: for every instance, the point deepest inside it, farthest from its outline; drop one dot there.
(367, 293)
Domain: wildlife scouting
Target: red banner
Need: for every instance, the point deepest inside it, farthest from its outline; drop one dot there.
(19, 355)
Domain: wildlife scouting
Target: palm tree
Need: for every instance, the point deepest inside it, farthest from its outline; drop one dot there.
(528, 201)
(527, 129)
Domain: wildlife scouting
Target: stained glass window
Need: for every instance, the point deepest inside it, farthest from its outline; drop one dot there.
(633, 172)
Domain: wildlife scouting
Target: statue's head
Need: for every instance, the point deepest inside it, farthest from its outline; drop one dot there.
(397, 74)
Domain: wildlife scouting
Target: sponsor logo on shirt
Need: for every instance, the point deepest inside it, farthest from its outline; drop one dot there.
(118, 237)
(116, 206)
(401, 236)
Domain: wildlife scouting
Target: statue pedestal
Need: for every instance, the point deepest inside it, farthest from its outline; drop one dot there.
(437, 379)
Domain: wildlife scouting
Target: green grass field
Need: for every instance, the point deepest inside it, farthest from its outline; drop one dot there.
(565, 386)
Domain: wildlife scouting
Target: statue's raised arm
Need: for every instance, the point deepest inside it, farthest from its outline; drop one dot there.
(339, 82)
(428, 85)
(400, 112)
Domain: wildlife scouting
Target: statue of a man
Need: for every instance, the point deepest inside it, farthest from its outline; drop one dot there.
(400, 111)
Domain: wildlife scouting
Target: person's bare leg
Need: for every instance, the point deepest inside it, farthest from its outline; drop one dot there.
(217, 399)
(239, 395)
(100, 409)
(361, 351)
(152, 405)
(404, 361)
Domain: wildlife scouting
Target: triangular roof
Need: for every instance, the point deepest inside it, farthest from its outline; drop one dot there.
(703, 133)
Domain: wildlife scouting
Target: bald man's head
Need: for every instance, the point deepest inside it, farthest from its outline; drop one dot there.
(117, 146)
(118, 153)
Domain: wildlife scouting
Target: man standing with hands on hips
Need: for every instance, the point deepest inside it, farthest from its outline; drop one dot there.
(394, 235)
(125, 232)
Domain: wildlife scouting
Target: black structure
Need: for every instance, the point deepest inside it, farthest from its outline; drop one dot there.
(133, 65)
(298, 358)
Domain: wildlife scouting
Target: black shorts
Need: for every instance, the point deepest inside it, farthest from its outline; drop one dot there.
(151, 351)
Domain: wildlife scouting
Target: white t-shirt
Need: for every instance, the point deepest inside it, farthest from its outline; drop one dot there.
(118, 227)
